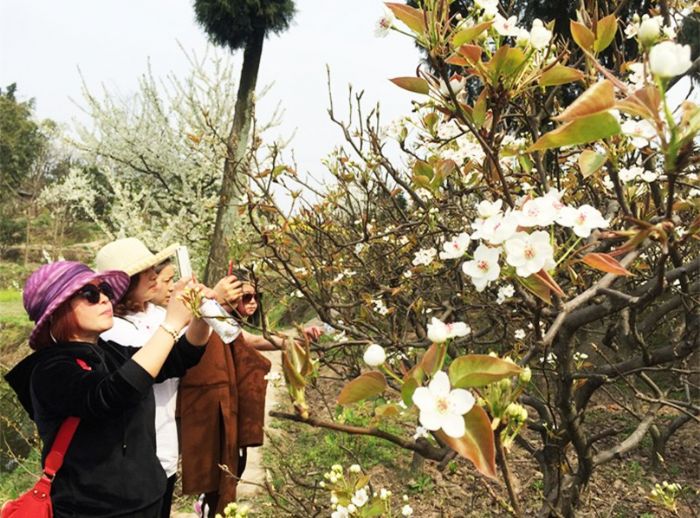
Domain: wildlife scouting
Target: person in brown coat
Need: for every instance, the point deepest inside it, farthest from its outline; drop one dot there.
(224, 398)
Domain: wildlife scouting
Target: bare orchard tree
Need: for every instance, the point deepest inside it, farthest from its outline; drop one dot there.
(564, 239)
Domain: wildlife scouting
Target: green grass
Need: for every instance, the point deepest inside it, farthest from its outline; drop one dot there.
(11, 308)
(21, 478)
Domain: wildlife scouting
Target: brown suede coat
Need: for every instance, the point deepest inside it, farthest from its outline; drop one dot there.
(221, 408)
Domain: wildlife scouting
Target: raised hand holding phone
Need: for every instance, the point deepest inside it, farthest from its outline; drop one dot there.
(209, 309)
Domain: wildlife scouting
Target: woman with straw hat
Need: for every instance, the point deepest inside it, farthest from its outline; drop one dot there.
(110, 468)
(136, 321)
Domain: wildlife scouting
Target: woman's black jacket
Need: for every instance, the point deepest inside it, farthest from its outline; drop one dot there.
(111, 468)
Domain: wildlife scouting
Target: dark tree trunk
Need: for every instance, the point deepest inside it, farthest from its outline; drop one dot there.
(236, 159)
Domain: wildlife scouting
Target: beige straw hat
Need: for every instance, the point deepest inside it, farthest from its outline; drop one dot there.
(130, 255)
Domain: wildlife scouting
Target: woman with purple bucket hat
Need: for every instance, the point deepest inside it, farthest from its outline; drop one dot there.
(110, 468)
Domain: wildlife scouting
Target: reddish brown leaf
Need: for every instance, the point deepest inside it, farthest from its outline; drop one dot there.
(477, 444)
(597, 98)
(605, 263)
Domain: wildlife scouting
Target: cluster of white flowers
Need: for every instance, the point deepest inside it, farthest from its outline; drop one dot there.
(628, 174)
(455, 247)
(424, 256)
(380, 306)
(527, 252)
(504, 293)
(550, 359)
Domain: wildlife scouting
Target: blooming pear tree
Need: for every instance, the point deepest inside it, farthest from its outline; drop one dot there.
(501, 258)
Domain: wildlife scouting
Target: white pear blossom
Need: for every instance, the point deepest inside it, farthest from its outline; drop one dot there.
(340, 512)
(421, 432)
(360, 497)
(530, 253)
(406, 510)
(504, 293)
(519, 334)
(497, 228)
(384, 24)
(627, 174)
(640, 132)
(442, 408)
(669, 59)
(486, 209)
(484, 268)
(438, 331)
(537, 212)
(490, 7)
(583, 219)
(522, 39)
(374, 355)
(456, 84)
(539, 35)
(505, 27)
(636, 77)
(455, 247)
(424, 256)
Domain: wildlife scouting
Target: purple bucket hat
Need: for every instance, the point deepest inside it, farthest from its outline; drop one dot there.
(53, 284)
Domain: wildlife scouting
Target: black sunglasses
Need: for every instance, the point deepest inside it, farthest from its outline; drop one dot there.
(91, 292)
(247, 297)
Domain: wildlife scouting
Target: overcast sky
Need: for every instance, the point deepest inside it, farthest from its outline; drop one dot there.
(43, 43)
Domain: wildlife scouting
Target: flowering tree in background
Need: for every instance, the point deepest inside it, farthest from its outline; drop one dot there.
(151, 163)
(521, 258)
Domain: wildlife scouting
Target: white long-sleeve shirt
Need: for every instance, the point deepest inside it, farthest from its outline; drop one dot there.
(135, 330)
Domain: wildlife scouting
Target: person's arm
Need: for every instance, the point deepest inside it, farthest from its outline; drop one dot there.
(155, 351)
(275, 343)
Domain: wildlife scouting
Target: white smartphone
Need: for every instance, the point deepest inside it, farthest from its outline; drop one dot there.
(182, 258)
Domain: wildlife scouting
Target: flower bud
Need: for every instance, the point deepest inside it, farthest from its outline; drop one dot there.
(649, 31)
(526, 375)
(374, 355)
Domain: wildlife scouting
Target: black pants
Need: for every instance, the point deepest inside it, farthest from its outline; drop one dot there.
(168, 497)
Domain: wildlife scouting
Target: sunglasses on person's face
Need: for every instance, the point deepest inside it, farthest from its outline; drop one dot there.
(92, 292)
(248, 297)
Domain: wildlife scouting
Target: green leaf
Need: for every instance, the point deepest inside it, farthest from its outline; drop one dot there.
(367, 385)
(560, 75)
(477, 444)
(478, 370)
(605, 33)
(479, 111)
(505, 62)
(412, 84)
(412, 380)
(579, 131)
(582, 35)
(412, 17)
(589, 162)
(468, 34)
(421, 168)
(599, 97)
